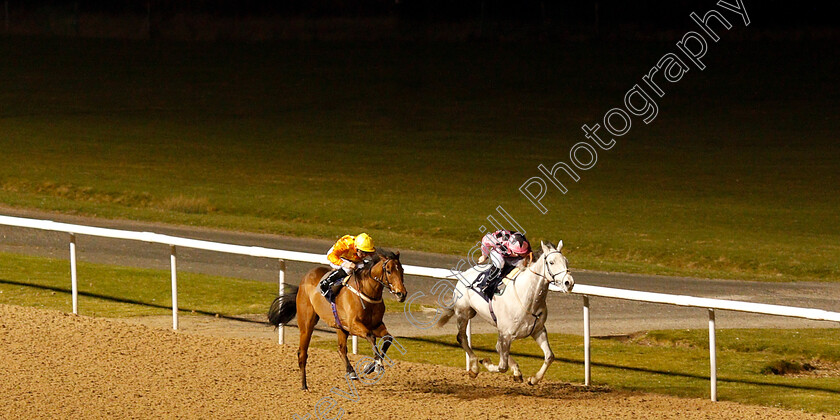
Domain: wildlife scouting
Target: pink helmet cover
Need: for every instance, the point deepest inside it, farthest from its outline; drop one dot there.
(518, 244)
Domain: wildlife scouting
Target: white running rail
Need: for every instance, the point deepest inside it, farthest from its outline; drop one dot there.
(282, 255)
(691, 301)
(173, 242)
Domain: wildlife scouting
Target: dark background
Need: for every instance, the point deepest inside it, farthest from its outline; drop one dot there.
(782, 13)
(489, 19)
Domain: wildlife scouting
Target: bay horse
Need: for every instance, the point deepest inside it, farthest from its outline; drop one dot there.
(518, 313)
(358, 308)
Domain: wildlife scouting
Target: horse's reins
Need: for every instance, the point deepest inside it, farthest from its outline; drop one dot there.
(365, 297)
(542, 276)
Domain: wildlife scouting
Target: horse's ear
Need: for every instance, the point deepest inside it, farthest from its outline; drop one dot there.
(546, 248)
(560, 245)
(397, 255)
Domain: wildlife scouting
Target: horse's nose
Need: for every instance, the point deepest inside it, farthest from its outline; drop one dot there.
(400, 296)
(569, 283)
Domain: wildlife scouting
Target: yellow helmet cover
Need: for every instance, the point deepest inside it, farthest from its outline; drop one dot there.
(364, 243)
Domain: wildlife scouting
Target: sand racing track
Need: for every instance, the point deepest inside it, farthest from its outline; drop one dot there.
(56, 365)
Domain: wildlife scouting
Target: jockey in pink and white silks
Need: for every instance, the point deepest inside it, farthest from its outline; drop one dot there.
(505, 250)
(504, 247)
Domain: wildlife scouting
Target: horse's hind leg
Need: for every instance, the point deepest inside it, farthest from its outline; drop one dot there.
(503, 348)
(342, 351)
(307, 318)
(541, 337)
(463, 317)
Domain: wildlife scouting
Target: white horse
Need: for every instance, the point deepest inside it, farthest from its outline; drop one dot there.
(519, 312)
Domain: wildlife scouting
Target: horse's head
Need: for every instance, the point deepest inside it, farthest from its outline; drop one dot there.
(388, 271)
(555, 267)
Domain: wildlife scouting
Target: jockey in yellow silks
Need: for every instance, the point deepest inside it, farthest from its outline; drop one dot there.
(344, 256)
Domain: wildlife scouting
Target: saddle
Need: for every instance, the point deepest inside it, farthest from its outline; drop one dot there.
(488, 282)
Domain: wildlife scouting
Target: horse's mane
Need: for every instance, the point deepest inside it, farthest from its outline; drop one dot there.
(384, 253)
(537, 255)
(524, 262)
(379, 256)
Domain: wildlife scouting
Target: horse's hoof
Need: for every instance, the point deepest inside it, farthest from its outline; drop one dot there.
(304, 388)
(352, 376)
(532, 381)
(473, 375)
(517, 379)
(373, 367)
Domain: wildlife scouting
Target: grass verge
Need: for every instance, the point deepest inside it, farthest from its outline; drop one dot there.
(111, 291)
(732, 179)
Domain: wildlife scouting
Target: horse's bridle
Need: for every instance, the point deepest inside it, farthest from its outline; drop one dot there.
(361, 294)
(547, 270)
(382, 274)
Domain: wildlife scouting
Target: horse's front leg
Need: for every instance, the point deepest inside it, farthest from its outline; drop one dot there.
(379, 354)
(342, 351)
(503, 348)
(541, 338)
(358, 328)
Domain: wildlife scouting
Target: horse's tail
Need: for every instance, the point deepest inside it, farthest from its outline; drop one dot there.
(283, 309)
(447, 314)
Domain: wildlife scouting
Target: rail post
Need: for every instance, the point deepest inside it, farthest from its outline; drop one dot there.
(174, 287)
(281, 282)
(469, 342)
(587, 365)
(74, 283)
(712, 355)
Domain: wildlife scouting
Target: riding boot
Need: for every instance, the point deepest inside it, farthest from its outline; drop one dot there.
(491, 281)
(336, 287)
(330, 281)
(324, 286)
